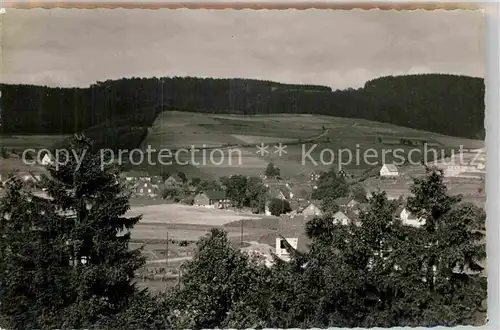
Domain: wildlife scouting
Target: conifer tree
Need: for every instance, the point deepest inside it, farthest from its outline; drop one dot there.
(94, 203)
(34, 265)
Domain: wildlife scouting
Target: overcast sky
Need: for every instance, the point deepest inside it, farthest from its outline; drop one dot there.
(72, 47)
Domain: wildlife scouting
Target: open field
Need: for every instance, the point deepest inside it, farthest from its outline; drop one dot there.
(189, 215)
(468, 188)
(181, 222)
(183, 225)
(17, 164)
(331, 138)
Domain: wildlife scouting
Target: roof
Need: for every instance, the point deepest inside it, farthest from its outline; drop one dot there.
(343, 200)
(174, 177)
(362, 206)
(289, 228)
(299, 204)
(340, 214)
(313, 205)
(215, 194)
(391, 167)
(284, 190)
(302, 190)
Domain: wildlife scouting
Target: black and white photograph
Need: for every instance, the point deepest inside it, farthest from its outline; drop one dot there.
(202, 169)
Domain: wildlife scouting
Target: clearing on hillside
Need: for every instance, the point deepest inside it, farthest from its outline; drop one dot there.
(337, 142)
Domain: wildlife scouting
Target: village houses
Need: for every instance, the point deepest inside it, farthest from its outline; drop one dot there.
(343, 201)
(146, 188)
(312, 210)
(46, 159)
(281, 247)
(345, 218)
(389, 171)
(173, 181)
(212, 199)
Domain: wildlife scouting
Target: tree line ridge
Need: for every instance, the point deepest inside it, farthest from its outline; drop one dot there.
(441, 103)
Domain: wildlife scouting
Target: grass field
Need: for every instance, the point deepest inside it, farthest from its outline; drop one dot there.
(333, 140)
(186, 224)
(330, 138)
(182, 222)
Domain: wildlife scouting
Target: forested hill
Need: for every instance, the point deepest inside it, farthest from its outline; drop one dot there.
(447, 104)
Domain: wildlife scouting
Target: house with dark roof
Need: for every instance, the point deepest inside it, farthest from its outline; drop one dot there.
(212, 199)
(345, 218)
(146, 188)
(173, 181)
(343, 201)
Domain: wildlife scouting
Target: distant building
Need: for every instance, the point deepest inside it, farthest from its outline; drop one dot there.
(314, 176)
(299, 204)
(341, 218)
(281, 247)
(410, 219)
(343, 201)
(266, 210)
(46, 159)
(389, 170)
(146, 188)
(344, 174)
(358, 208)
(212, 199)
(136, 176)
(352, 203)
(312, 210)
(173, 181)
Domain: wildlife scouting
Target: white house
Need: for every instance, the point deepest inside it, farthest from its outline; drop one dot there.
(352, 203)
(290, 192)
(280, 246)
(409, 219)
(341, 218)
(457, 170)
(266, 210)
(389, 170)
(46, 159)
(311, 211)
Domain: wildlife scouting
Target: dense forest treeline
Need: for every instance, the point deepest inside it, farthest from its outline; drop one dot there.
(448, 104)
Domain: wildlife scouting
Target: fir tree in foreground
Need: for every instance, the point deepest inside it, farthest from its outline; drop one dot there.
(94, 202)
(65, 260)
(34, 267)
